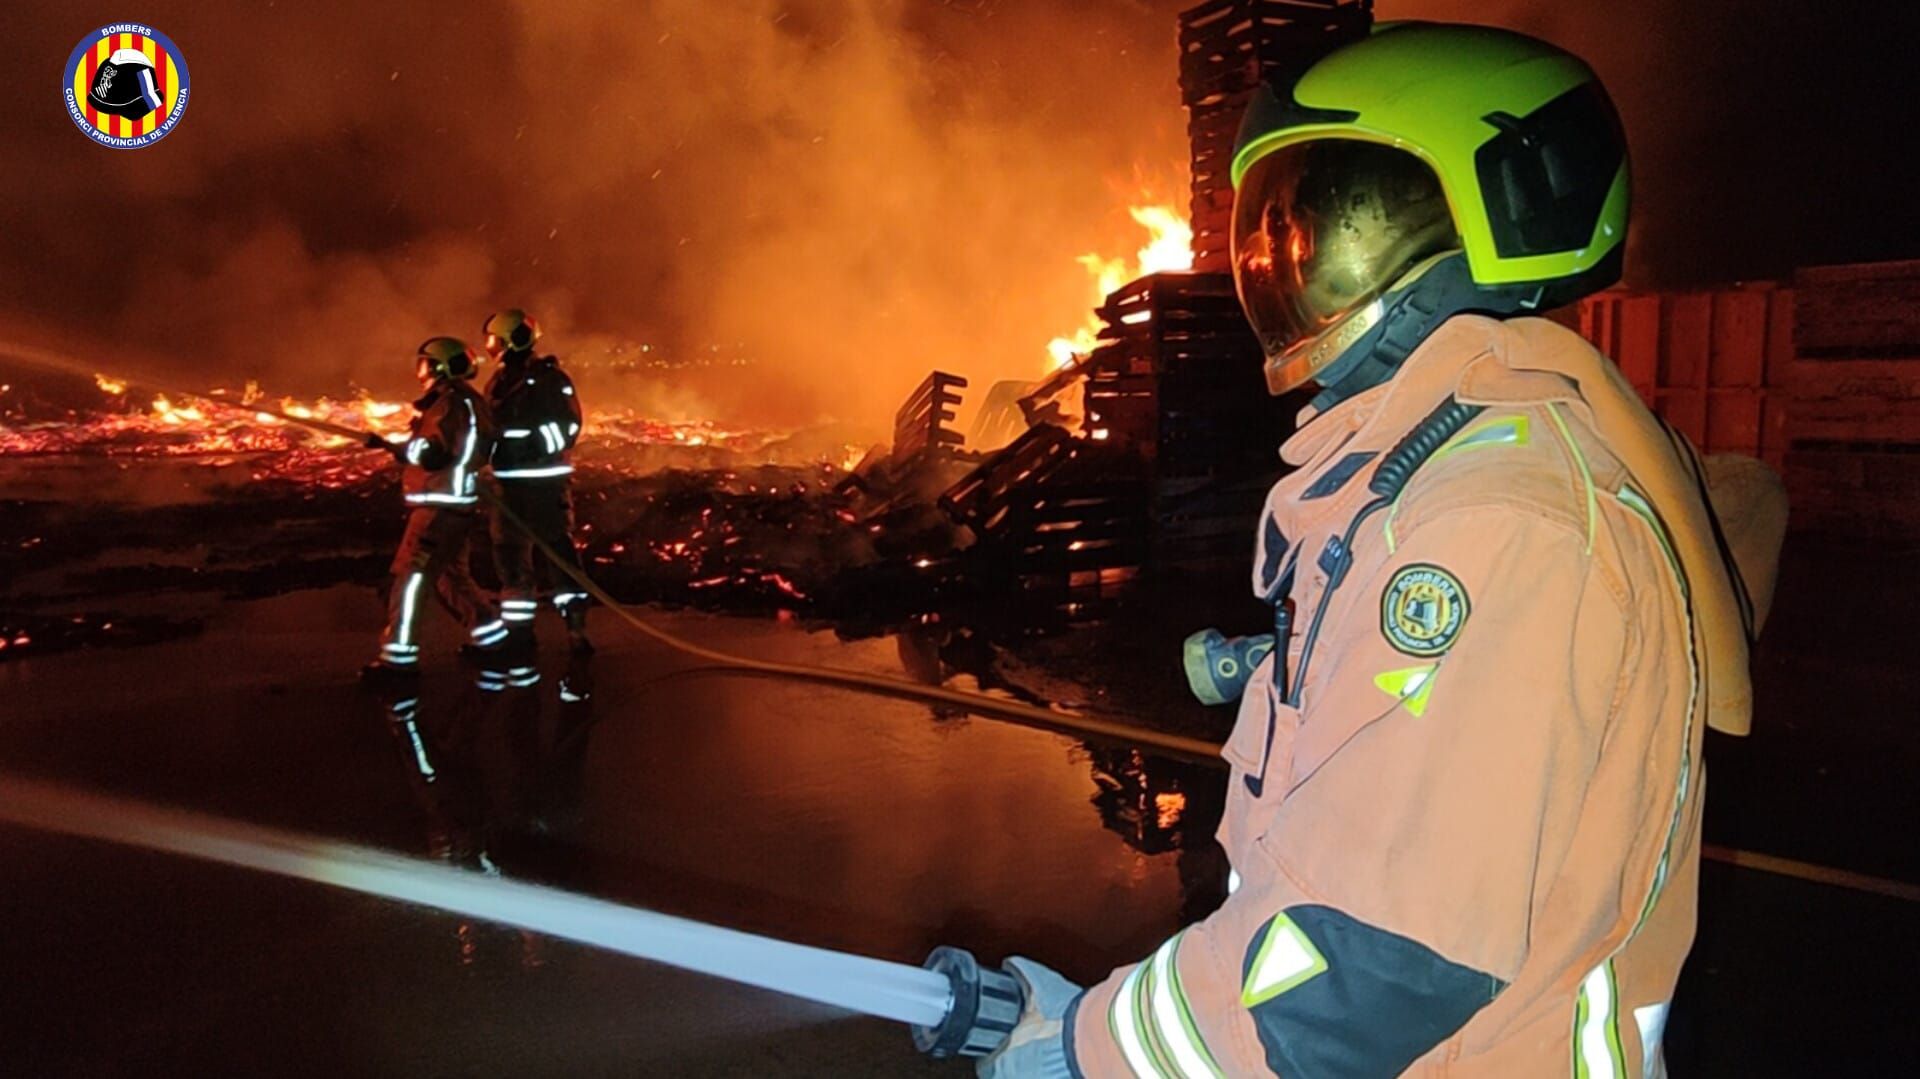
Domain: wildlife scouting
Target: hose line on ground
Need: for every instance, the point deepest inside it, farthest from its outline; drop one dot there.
(1173, 745)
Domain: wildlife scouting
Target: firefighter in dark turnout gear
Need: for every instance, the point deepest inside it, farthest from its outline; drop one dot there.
(539, 416)
(452, 440)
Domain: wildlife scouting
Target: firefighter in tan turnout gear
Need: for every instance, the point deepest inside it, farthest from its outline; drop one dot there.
(1464, 807)
(538, 412)
(452, 439)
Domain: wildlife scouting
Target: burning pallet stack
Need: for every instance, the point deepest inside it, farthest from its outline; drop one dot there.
(921, 424)
(1227, 48)
(1155, 450)
(1177, 382)
(1167, 462)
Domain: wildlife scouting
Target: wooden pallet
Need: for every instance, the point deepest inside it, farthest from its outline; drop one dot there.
(1853, 401)
(1709, 362)
(1820, 380)
(982, 499)
(921, 423)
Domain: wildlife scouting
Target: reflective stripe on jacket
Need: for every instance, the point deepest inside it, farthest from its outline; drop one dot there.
(1464, 807)
(539, 416)
(452, 440)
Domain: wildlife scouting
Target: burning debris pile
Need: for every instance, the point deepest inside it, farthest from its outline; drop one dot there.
(218, 428)
(1117, 458)
(758, 539)
(1151, 450)
(118, 492)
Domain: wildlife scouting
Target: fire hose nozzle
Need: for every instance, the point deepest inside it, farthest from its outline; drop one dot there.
(985, 1008)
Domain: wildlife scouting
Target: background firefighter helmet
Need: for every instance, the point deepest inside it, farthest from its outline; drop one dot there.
(1420, 172)
(512, 330)
(124, 85)
(446, 357)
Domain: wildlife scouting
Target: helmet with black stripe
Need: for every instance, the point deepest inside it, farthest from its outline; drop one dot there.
(441, 358)
(511, 330)
(1419, 173)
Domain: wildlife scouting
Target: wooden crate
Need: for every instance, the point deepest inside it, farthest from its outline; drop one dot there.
(1707, 362)
(1820, 380)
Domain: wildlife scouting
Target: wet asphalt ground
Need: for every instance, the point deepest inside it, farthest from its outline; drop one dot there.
(831, 819)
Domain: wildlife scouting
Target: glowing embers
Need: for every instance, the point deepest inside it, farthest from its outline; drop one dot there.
(223, 428)
(24, 635)
(127, 424)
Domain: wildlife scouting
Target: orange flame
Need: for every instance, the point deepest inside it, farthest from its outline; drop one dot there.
(113, 386)
(1169, 248)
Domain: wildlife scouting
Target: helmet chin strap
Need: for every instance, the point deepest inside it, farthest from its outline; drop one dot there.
(1413, 312)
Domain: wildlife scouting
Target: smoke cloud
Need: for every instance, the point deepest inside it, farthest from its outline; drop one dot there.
(848, 192)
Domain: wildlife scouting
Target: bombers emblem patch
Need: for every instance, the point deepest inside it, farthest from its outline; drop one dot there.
(126, 86)
(1423, 610)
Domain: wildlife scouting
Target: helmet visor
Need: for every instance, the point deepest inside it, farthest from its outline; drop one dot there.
(1322, 228)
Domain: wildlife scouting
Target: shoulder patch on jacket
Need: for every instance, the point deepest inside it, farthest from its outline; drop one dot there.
(1423, 609)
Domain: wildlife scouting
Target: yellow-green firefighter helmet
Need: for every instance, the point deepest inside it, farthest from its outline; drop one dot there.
(1488, 164)
(512, 330)
(443, 358)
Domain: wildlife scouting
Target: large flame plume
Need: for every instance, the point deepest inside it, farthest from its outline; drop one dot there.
(1169, 248)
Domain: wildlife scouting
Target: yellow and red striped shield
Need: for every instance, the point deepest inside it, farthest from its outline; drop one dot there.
(170, 85)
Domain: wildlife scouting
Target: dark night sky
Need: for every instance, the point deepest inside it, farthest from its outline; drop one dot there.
(866, 187)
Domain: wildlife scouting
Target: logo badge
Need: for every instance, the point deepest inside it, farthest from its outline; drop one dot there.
(126, 86)
(1423, 610)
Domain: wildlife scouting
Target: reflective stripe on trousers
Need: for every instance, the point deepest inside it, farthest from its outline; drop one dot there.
(401, 649)
(1597, 1053)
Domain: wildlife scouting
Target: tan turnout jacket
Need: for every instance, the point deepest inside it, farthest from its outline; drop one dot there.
(1465, 841)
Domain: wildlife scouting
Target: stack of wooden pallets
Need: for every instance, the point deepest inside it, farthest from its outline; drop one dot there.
(1227, 48)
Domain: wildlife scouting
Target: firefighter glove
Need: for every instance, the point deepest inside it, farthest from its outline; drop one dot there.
(1037, 1048)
